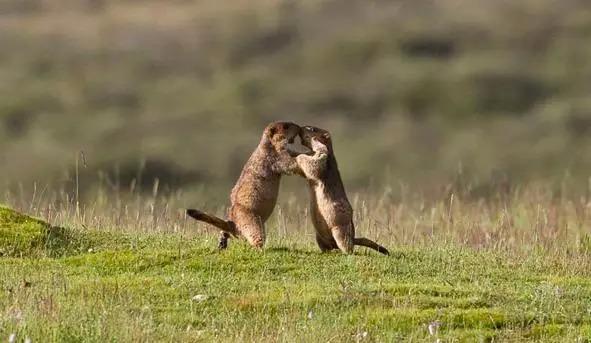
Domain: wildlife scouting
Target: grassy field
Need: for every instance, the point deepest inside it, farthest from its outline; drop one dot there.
(462, 131)
(507, 269)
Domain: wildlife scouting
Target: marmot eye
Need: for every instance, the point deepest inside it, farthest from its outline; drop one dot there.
(285, 126)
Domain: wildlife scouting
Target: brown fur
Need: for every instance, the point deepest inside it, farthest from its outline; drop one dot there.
(254, 196)
(331, 211)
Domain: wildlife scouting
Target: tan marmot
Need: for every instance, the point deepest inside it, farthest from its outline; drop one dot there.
(254, 196)
(331, 211)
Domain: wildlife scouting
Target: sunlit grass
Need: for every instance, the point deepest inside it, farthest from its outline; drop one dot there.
(501, 268)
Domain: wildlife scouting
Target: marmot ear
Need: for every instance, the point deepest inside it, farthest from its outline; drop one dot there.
(272, 131)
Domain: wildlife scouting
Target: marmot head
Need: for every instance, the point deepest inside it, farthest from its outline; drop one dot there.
(279, 134)
(311, 132)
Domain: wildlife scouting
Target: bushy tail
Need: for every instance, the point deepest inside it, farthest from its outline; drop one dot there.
(372, 245)
(224, 225)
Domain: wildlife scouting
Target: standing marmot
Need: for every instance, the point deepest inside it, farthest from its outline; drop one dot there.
(254, 196)
(332, 213)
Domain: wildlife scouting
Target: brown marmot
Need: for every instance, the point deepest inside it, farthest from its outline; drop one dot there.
(331, 211)
(254, 196)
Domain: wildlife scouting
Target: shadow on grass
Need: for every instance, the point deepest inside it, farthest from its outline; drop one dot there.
(294, 251)
(307, 252)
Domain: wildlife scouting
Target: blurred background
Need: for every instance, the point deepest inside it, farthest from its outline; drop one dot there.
(117, 94)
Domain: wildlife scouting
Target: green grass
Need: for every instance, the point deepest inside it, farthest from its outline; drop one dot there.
(98, 286)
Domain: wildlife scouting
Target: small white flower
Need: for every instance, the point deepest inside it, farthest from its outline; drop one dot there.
(310, 314)
(27, 340)
(12, 338)
(361, 336)
(433, 326)
(90, 250)
(200, 298)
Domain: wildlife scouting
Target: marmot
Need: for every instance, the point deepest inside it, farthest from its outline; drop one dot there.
(331, 211)
(254, 196)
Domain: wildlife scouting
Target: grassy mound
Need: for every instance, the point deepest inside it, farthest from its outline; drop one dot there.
(21, 235)
(24, 236)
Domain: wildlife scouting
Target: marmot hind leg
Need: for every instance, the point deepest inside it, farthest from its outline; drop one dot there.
(223, 240)
(250, 227)
(343, 238)
(325, 244)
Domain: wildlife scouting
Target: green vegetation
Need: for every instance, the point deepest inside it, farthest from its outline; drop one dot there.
(171, 287)
(23, 236)
(411, 90)
(462, 131)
